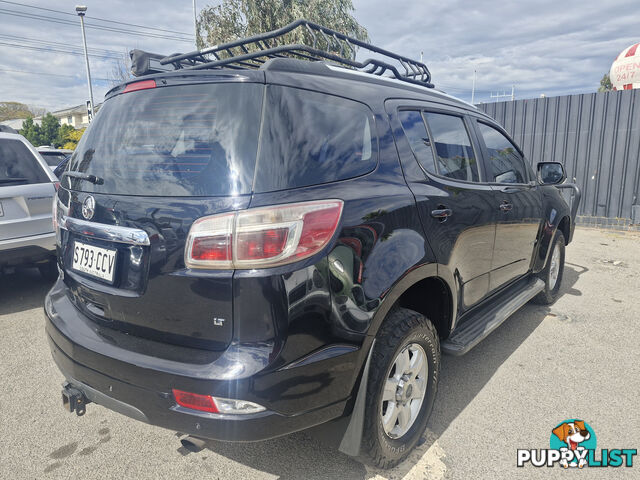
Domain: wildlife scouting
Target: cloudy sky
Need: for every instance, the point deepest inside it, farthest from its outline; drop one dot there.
(541, 47)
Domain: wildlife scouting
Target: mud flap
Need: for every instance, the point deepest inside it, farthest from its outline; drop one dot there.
(352, 438)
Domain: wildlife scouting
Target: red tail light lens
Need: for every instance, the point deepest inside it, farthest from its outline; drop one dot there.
(217, 248)
(262, 237)
(263, 244)
(142, 85)
(204, 403)
(317, 230)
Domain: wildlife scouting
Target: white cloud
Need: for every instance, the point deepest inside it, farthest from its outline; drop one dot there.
(552, 47)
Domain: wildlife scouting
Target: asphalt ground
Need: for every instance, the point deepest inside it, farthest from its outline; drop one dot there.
(576, 359)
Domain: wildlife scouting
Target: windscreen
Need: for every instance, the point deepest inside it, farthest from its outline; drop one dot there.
(191, 140)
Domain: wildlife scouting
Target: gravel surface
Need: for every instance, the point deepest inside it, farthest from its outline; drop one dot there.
(576, 359)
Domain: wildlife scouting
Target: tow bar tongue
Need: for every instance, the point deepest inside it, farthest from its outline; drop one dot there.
(74, 400)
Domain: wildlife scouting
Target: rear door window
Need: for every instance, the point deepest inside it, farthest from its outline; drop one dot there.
(309, 138)
(454, 154)
(506, 164)
(18, 166)
(189, 140)
(416, 132)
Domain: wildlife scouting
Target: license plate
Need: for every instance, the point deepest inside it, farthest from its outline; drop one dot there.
(94, 261)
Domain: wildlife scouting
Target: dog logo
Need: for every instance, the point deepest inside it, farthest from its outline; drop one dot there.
(574, 438)
(88, 207)
(573, 435)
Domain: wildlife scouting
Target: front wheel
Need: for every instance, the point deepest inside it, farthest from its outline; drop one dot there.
(403, 379)
(552, 273)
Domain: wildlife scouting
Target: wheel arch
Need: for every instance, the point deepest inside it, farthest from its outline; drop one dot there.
(428, 289)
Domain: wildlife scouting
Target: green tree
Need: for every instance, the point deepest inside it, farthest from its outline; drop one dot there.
(234, 19)
(11, 110)
(605, 84)
(31, 131)
(49, 129)
(64, 133)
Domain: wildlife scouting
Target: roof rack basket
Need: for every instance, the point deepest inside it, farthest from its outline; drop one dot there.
(321, 43)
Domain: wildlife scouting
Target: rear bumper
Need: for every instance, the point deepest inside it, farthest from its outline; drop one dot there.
(144, 393)
(27, 250)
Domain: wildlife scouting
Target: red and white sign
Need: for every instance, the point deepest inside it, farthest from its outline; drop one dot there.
(625, 71)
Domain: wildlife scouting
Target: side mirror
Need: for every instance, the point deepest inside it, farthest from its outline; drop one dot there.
(551, 173)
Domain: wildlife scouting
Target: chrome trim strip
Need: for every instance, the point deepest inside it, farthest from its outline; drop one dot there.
(102, 231)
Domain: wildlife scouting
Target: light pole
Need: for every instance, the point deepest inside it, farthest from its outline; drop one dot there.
(81, 10)
(195, 22)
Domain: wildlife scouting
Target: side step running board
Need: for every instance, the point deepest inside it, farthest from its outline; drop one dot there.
(490, 317)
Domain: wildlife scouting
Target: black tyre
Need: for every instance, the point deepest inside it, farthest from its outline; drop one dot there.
(403, 380)
(552, 273)
(49, 270)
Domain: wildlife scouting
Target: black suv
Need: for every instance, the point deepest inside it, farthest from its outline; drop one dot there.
(253, 245)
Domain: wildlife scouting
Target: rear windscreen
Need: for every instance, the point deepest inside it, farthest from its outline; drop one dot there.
(18, 166)
(53, 159)
(192, 140)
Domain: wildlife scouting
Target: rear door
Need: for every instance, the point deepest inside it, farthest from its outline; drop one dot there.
(442, 170)
(26, 191)
(517, 205)
(164, 156)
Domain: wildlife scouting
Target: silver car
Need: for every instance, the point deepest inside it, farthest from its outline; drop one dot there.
(27, 187)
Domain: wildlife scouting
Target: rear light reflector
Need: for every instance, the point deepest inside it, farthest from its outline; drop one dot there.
(262, 237)
(207, 403)
(195, 401)
(142, 85)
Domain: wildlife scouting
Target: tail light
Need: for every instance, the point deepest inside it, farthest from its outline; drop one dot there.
(207, 403)
(262, 237)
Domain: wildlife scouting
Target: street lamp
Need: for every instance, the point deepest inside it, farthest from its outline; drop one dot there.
(81, 10)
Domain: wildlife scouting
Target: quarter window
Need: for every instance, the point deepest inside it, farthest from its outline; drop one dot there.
(506, 165)
(416, 132)
(454, 154)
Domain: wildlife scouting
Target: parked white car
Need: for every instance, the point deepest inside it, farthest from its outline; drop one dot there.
(27, 187)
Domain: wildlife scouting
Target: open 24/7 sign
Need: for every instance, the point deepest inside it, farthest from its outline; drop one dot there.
(625, 71)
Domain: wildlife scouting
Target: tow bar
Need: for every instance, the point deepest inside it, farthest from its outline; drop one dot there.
(74, 400)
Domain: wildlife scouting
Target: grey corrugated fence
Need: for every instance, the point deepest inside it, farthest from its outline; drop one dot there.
(597, 138)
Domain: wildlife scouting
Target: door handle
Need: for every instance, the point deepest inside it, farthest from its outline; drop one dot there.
(441, 213)
(506, 206)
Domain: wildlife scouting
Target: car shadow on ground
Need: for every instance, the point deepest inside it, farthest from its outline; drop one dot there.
(462, 378)
(21, 290)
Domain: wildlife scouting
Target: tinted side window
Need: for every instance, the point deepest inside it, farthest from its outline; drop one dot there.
(18, 166)
(310, 138)
(506, 165)
(454, 154)
(418, 137)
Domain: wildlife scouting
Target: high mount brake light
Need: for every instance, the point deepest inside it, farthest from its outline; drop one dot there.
(142, 85)
(262, 237)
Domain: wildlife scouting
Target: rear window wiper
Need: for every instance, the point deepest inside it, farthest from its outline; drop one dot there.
(14, 180)
(84, 176)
